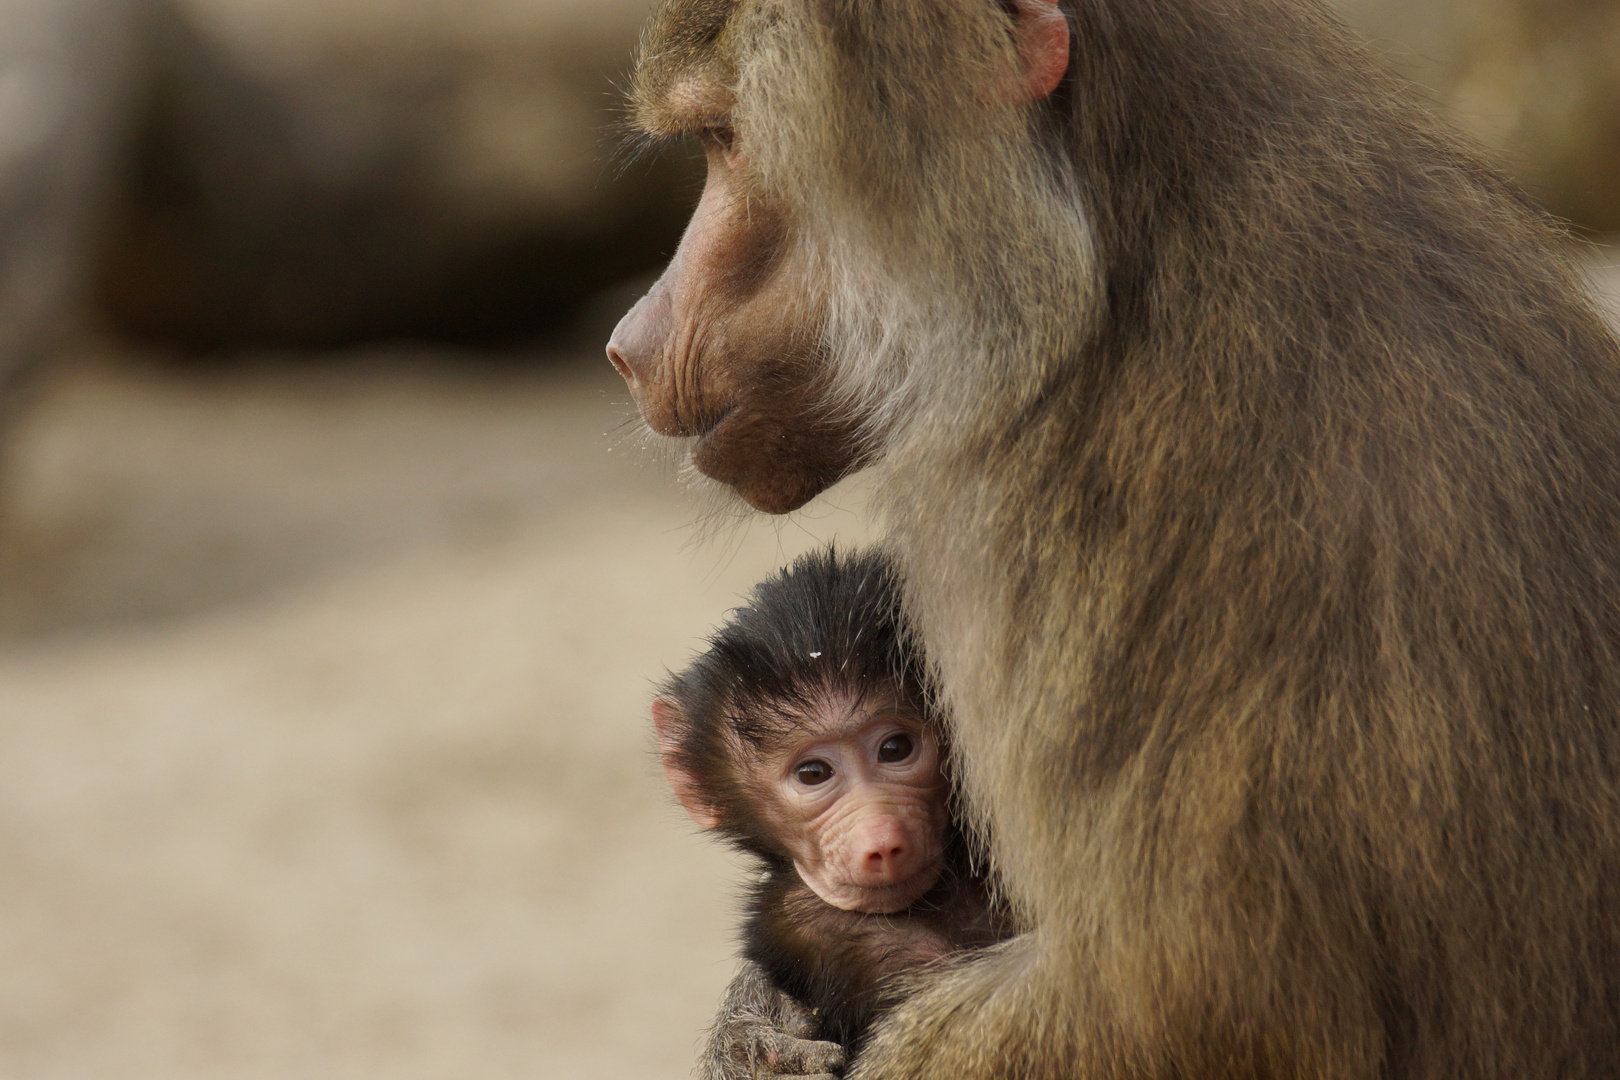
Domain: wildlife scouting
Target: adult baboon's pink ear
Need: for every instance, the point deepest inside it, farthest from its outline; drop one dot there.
(1042, 34)
(670, 722)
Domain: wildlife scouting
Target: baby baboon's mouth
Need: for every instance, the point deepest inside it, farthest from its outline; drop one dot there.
(884, 899)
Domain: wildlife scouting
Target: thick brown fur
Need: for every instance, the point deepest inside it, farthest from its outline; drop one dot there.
(1252, 456)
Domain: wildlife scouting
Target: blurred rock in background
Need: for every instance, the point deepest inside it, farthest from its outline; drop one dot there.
(1537, 81)
(64, 69)
(311, 173)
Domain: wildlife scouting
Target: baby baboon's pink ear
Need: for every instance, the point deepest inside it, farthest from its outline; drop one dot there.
(670, 721)
(1043, 45)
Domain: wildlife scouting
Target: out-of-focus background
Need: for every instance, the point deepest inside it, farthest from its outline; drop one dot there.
(333, 580)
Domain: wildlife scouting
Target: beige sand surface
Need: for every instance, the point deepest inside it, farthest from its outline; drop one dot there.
(323, 738)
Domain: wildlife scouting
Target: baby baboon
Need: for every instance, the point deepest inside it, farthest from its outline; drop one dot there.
(1250, 453)
(802, 734)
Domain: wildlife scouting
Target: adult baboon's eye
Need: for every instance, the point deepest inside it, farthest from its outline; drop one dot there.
(723, 136)
(813, 772)
(896, 747)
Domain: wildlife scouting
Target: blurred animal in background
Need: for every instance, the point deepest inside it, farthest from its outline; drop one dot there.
(1251, 456)
(803, 736)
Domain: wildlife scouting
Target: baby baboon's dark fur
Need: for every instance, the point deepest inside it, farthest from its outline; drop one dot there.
(827, 623)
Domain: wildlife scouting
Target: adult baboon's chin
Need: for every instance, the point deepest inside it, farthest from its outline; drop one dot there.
(1250, 453)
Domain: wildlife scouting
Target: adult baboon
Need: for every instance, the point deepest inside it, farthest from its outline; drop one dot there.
(1252, 457)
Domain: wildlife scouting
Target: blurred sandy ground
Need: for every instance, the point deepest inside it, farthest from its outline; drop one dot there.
(323, 737)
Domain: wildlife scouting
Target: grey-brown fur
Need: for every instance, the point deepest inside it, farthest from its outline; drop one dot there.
(1252, 457)
(761, 1031)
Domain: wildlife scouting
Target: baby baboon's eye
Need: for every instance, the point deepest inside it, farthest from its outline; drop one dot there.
(896, 747)
(813, 772)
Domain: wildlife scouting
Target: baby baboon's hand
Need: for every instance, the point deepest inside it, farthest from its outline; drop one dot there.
(761, 1034)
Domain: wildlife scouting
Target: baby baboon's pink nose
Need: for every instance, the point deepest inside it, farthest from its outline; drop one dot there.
(885, 853)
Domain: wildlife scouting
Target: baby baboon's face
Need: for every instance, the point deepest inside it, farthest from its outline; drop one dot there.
(860, 802)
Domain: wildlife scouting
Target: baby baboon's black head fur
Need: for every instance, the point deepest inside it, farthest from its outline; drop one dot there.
(829, 623)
